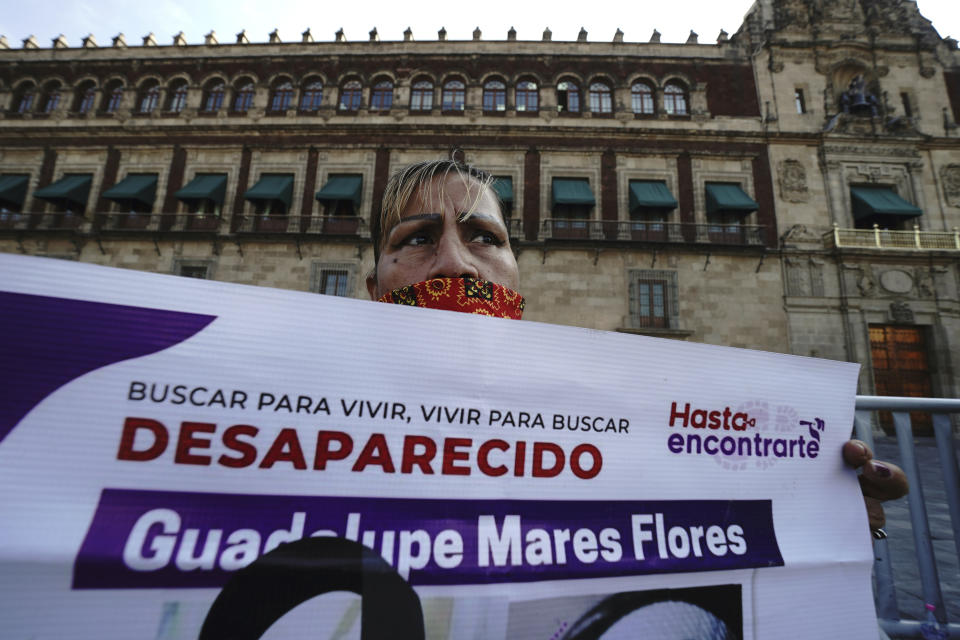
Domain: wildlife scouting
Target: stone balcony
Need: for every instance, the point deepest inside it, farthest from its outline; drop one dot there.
(877, 238)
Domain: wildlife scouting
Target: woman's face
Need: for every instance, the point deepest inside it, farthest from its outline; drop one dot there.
(432, 241)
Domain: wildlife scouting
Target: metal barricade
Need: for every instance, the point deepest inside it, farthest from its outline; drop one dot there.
(886, 598)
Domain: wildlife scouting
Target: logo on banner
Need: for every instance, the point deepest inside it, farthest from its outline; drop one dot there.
(737, 437)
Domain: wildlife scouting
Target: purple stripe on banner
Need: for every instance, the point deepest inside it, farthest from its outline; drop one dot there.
(154, 539)
(47, 342)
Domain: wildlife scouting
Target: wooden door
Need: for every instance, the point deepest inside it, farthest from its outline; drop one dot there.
(901, 368)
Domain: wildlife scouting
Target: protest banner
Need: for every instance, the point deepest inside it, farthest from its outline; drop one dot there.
(183, 458)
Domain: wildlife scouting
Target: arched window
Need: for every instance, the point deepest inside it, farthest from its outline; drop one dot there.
(113, 97)
(213, 94)
(282, 96)
(312, 95)
(51, 97)
(85, 97)
(351, 95)
(601, 99)
(568, 96)
(675, 99)
(24, 97)
(177, 96)
(382, 97)
(421, 96)
(641, 96)
(454, 92)
(528, 96)
(243, 96)
(149, 97)
(494, 96)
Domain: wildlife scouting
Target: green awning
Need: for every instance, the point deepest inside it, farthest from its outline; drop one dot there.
(572, 191)
(13, 191)
(880, 201)
(205, 186)
(503, 185)
(141, 187)
(272, 186)
(648, 194)
(73, 188)
(342, 188)
(727, 197)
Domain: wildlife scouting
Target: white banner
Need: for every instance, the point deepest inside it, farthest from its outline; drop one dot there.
(182, 458)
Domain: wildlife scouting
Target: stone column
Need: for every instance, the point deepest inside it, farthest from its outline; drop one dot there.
(835, 200)
(915, 170)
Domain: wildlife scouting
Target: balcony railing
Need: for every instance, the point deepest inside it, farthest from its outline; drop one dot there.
(42, 221)
(308, 225)
(356, 226)
(515, 228)
(878, 238)
(661, 232)
(119, 223)
(183, 222)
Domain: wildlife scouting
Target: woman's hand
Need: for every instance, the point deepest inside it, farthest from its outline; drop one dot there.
(879, 481)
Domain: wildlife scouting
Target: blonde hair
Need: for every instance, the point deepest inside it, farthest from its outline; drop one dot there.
(415, 179)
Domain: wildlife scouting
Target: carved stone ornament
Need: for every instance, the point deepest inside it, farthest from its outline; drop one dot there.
(896, 281)
(865, 283)
(798, 278)
(816, 277)
(800, 233)
(950, 177)
(793, 181)
(901, 313)
(924, 277)
(791, 13)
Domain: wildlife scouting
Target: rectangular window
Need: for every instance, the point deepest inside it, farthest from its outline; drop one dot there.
(193, 269)
(907, 109)
(653, 299)
(332, 279)
(800, 101)
(333, 282)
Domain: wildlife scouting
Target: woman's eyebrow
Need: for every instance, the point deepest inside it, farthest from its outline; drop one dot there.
(419, 216)
(478, 215)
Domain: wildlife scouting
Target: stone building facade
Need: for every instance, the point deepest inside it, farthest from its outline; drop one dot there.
(723, 193)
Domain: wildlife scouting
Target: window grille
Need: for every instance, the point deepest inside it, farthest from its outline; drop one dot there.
(332, 279)
(654, 300)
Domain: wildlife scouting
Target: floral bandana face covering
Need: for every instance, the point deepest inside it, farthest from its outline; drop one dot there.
(468, 295)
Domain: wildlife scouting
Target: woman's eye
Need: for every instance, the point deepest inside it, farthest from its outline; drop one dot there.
(486, 237)
(418, 239)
